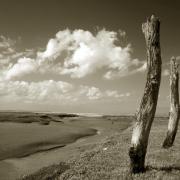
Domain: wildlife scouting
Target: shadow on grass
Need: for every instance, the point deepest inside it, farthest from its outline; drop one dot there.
(164, 168)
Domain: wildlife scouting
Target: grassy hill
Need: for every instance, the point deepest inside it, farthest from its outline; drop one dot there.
(109, 160)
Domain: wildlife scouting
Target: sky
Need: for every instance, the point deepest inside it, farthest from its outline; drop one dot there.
(85, 56)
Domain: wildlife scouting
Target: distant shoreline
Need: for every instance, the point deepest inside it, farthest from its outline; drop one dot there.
(77, 113)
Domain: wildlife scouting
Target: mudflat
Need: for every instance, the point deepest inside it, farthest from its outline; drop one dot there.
(33, 140)
(22, 139)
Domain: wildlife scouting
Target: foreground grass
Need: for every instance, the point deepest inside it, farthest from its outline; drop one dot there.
(109, 160)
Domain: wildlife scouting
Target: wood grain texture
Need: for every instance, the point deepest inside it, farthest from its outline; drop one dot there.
(174, 105)
(147, 109)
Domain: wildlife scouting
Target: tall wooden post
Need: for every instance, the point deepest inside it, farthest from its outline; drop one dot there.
(174, 104)
(147, 109)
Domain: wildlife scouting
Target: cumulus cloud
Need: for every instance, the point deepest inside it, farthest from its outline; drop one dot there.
(6, 44)
(79, 53)
(116, 94)
(76, 54)
(50, 91)
(134, 67)
(22, 67)
(84, 53)
(92, 93)
(35, 92)
(9, 55)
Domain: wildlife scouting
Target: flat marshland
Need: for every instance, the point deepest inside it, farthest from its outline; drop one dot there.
(80, 147)
(30, 141)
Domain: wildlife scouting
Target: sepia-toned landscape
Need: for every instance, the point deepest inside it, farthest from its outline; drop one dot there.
(80, 147)
(89, 90)
(30, 143)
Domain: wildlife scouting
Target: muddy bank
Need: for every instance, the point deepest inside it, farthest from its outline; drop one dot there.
(73, 135)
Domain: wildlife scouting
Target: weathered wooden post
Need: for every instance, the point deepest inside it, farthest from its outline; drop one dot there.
(174, 104)
(147, 109)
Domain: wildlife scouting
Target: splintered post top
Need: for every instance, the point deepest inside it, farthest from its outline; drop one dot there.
(151, 30)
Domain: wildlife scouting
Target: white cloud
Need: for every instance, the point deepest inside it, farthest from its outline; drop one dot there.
(9, 55)
(79, 53)
(113, 94)
(165, 72)
(85, 52)
(93, 93)
(75, 53)
(54, 92)
(122, 33)
(22, 67)
(141, 68)
(127, 70)
(6, 44)
(35, 92)
(116, 94)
